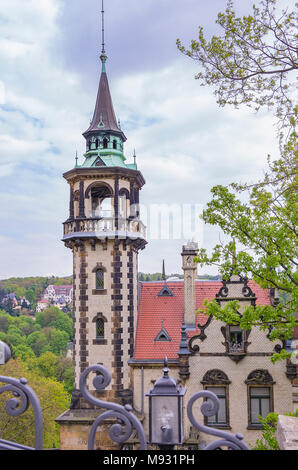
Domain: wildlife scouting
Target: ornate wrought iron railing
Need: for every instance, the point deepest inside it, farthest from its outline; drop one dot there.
(125, 421)
(235, 347)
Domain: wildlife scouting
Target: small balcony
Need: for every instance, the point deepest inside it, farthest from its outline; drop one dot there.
(104, 227)
(236, 347)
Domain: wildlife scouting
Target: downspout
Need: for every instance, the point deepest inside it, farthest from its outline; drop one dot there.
(142, 389)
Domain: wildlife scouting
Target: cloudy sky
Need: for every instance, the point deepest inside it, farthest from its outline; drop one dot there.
(185, 143)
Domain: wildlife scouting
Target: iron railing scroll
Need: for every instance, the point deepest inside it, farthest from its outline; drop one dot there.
(210, 408)
(23, 396)
(121, 431)
(125, 421)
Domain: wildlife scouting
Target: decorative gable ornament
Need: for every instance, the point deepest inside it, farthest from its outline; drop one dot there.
(259, 377)
(215, 377)
(99, 162)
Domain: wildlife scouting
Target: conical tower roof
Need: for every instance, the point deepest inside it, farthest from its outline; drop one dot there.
(104, 117)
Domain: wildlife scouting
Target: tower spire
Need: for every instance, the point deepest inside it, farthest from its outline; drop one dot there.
(164, 278)
(103, 56)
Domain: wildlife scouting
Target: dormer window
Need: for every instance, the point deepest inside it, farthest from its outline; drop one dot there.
(166, 292)
(235, 340)
(163, 335)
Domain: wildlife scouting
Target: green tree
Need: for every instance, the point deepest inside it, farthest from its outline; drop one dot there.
(15, 338)
(48, 317)
(47, 363)
(30, 294)
(252, 61)
(64, 323)
(58, 342)
(53, 400)
(251, 64)
(25, 354)
(266, 226)
(26, 325)
(268, 440)
(57, 367)
(5, 321)
(20, 292)
(38, 342)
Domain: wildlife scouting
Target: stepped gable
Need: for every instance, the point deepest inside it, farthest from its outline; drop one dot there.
(155, 311)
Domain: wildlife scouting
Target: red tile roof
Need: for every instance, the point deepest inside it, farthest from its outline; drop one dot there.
(156, 312)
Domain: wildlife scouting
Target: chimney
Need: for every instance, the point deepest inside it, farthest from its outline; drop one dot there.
(189, 267)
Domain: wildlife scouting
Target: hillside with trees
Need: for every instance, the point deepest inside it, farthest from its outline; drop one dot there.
(41, 343)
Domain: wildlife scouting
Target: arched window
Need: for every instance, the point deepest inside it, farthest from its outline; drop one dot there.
(123, 203)
(105, 143)
(115, 144)
(99, 320)
(96, 143)
(260, 396)
(89, 145)
(99, 279)
(217, 381)
(100, 204)
(100, 328)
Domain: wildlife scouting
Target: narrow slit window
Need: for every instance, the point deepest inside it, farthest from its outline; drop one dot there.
(100, 328)
(99, 279)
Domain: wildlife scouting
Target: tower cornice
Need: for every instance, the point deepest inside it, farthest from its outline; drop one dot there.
(104, 172)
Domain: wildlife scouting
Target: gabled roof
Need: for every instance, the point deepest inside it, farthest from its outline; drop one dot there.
(155, 309)
(61, 290)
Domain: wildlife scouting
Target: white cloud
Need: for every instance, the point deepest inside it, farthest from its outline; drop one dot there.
(185, 144)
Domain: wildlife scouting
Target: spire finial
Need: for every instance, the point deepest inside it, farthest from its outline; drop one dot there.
(163, 271)
(103, 26)
(76, 159)
(103, 56)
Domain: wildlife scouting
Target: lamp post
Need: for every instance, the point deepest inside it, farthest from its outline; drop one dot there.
(166, 411)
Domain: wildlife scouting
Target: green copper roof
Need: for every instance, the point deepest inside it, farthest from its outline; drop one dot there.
(108, 160)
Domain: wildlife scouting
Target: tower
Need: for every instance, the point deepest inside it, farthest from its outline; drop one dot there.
(105, 234)
(189, 267)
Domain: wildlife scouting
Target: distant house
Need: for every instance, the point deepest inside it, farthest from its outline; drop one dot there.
(11, 298)
(42, 305)
(24, 302)
(58, 294)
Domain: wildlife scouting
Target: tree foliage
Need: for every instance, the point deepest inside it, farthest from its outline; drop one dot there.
(41, 344)
(53, 399)
(252, 60)
(252, 63)
(268, 440)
